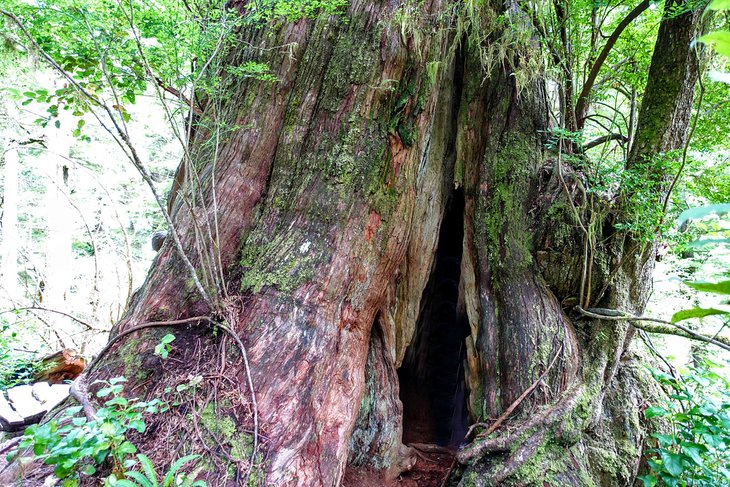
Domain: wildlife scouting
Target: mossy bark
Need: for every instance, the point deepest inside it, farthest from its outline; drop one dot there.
(329, 196)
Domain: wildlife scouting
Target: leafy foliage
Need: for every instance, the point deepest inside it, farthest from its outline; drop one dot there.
(696, 449)
(148, 477)
(76, 446)
(163, 348)
(15, 367)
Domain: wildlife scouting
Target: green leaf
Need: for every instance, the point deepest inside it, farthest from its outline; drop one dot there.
(127, 448)
(672, 463)
(170, 476)
(141, 480)
(719, 5)
(722, 287)
(117, 401)
(88, 470)
(720, 40)
(707, 241)
(697, 313)
(664, 440)
(694, 451)
(126, 483)
(648, 479)
(654, 411)
(147, 467)
(137, 425)
(104, 391)
(702, 211)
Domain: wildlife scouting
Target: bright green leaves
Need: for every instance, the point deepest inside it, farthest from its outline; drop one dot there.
(77, 446)
(697, 313)
(694, 448)
(148, 477)
(703, 211)
(720, 288)
(293, 10)
(711, 287)
(719, 40)
(163, 348)
(719, 5)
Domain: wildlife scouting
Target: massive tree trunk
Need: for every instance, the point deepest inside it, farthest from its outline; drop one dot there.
(401, 260)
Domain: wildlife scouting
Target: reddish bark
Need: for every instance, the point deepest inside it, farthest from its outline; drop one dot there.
(330, 199)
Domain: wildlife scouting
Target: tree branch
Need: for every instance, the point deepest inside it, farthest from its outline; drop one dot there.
(522, 397)
(581, 106)
(662, 327)
(177, 94)
(41, 308)
(603, 139)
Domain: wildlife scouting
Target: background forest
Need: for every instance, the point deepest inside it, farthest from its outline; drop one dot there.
(97, 101)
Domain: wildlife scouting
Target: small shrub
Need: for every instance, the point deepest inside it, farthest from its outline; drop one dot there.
(696, 449)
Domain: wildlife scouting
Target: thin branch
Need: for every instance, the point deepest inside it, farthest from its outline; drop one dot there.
(122, 139)
(603, 139)
(669, 329)
(179, 95)
(78, 391)
(41, 308)
(647, 341)
(506, 414)
(581, 106)
(685, 149)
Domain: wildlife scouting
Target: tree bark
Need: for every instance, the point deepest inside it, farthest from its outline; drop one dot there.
(334, 202)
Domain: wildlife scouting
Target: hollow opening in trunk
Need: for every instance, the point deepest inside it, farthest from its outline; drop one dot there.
(432, 385)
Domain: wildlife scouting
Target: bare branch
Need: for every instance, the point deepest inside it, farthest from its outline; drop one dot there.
(41, 308)
(603, 139)
(662, 327)
(581, 106)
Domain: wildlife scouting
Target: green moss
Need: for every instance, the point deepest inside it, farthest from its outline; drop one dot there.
(225, 431)
(406, 132)
(507, 237)
(470, 479)
(284, 262)
(353, 58)
(130, 352)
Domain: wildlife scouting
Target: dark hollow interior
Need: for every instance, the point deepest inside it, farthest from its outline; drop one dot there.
(432, 386)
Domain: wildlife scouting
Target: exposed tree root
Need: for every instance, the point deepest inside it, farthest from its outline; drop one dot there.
(549, 417)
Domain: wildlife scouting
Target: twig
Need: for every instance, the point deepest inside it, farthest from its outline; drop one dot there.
(122, 139)
(473, 427)
(678, 330)
(522, 397)
(151, 324)
(41, 308)
(647, 341)
(542, 419)
(448, 472)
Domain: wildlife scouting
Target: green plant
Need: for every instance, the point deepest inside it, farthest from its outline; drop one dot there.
(78, 446)
(696, 449)
(163, 348)
(16, 367)
(148, 477)
(721, 288)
